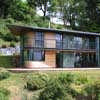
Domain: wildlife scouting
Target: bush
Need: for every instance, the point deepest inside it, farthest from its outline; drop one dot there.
(81, 79)
(36, 82)
(7, 61)
(66, 78)
(55, 91)
(93, 90)
(12, 44)
(8, 37)
(4, 94)
(4, 46)
(4, 74)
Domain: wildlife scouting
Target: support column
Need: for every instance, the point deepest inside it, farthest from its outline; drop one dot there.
(21, 50)
(98, 51)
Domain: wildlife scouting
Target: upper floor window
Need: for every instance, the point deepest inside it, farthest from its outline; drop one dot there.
(39, 39)
(92, 43)
(39, 36)
(59, 40)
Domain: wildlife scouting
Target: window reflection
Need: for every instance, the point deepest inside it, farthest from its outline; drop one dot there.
(33, 55)
(39, 39)
(85, 59)
(74, 42)
(59, 41)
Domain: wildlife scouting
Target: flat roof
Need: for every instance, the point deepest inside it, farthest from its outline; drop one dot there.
(18, 29)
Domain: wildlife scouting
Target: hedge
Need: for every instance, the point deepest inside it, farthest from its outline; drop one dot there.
(8, 61)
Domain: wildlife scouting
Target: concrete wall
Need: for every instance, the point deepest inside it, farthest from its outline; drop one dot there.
(50, 55)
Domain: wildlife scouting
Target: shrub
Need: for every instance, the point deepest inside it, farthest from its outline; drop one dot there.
(7, 61)
(4, 74)
(4, 46)
(93, 90)
(4, 94)
(36, 82)
(81, 79)
(66, 78)
(8, 37)
(55, 91)
(12, 44)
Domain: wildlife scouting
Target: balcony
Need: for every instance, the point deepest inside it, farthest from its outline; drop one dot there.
(63, 45)
(46, 44)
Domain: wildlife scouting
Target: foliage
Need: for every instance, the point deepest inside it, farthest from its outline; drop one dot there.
(93, 90)
(4, 32)
(42, 4)
(15, 83)
(4, 94)
(55, 91)
(36, 82)
(4, 46)
(75, 14)
(66, 78)
(12, 44)
(81, 79)
(4, 74)
(7, 61)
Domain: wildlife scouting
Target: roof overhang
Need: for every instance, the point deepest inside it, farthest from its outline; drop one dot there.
(18, 29)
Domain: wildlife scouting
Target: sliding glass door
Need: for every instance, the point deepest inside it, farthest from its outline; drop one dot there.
(68, 60)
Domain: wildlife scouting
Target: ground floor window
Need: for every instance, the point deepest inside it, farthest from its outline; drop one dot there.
(85, 59)
(34, 55)
(68, 60)
(71, 59)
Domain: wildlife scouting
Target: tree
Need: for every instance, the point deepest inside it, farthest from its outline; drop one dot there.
(42, 4)
(4, 7)
(70, 11)
(20, 11)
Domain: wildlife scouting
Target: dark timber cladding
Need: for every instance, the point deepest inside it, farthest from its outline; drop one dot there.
(45, 47)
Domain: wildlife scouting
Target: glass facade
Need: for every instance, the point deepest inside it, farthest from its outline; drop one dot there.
(59, 41)
(76, 59)
(64, 41)
(85, 60)
(71, 59)
(32, 53)
(35, 52)
(68, 60)
(39, 39)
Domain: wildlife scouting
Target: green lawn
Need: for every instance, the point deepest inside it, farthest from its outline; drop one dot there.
(15, 83)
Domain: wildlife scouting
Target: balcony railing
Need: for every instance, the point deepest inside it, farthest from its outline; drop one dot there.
(54, 44)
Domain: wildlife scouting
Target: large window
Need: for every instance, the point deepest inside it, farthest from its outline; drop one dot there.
(59, 41)
(33, 55)
(76, 42)
(92, 43)
(85, 60)
(38, 55)
(39, 39)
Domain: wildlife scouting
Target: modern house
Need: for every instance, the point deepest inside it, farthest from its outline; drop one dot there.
(53, 48)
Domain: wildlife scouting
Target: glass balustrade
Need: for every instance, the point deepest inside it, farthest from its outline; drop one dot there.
(60, 45)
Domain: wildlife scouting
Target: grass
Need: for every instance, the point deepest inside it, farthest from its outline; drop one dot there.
(15, 83)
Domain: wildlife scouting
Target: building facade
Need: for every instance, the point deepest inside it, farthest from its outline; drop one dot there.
(51, 48)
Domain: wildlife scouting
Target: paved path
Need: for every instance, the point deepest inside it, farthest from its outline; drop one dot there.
(50, 69)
